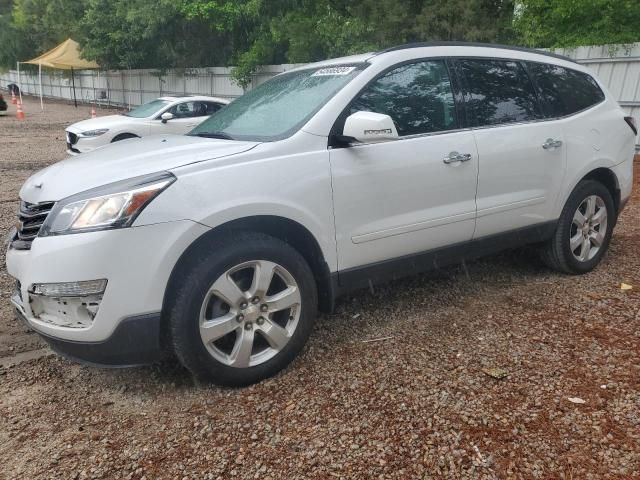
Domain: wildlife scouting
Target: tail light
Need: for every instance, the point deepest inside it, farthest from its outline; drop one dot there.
(632, 123)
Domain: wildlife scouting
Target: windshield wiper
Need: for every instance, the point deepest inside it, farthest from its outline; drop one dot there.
(222, 135)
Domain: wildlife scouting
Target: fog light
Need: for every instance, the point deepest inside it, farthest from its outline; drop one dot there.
(70, 289)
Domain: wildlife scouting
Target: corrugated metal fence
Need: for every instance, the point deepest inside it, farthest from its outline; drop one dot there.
(618, 66)
(133, 87)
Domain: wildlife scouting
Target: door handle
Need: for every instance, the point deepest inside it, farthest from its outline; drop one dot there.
(551, 143)
(454, 157)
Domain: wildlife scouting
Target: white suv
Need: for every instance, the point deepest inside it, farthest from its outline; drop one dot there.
(220, 246)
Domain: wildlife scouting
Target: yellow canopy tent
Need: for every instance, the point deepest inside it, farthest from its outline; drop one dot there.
(65, 56)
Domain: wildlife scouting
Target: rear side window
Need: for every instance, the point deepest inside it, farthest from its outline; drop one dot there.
(564, 91)
(417, 96)
(211, 107)
(499, 92)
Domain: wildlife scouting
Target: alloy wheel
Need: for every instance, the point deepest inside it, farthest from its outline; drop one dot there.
(250, 313)
(588, 228)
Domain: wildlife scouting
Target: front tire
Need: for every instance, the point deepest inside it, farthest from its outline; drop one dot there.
(584, 230)
(244, 310)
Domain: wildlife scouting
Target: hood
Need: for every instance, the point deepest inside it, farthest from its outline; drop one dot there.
(107, 121)
(123, 160)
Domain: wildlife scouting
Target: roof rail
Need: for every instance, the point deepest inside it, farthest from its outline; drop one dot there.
(474, 44)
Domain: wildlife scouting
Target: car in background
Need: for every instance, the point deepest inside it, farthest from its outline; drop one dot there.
(176, 115)
(3, 106)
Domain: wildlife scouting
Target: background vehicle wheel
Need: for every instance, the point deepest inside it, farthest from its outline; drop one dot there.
(584, 230)
(123, 136)
(244, 310)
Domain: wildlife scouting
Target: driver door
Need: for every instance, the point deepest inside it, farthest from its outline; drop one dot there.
(397, 198)
(186, 116)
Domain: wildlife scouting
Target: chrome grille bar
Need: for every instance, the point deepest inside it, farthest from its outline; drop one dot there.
(31, 217)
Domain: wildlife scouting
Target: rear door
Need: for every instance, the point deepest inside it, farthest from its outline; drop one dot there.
(521, 155)
(400, 197)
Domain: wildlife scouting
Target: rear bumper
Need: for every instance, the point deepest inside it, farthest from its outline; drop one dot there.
(135, 341)
(624, 174)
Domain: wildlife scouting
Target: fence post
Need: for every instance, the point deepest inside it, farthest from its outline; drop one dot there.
(140, 86)
(106, 76)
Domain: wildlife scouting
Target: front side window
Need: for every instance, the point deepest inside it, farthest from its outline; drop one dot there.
(190, 109)
(499, 92)
(184, 110)
(564, 91)
(417, 96)
(147, 109)
(280, 106)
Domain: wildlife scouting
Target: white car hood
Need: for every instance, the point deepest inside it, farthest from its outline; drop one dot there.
(108, 121)
(123, 160)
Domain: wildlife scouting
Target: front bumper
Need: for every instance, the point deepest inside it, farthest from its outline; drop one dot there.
(137, 263)
(135, 341)
(85, 144)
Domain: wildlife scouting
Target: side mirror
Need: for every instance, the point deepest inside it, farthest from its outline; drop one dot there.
(166, 116)
(370, 127)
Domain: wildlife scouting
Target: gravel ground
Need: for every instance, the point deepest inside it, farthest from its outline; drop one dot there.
(419, 404)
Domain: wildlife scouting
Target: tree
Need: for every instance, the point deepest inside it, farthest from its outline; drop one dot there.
(147, 34)
(571, 23)
(31, 27)
(278, 31)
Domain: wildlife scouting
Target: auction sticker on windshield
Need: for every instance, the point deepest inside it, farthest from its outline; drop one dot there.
(333, 71)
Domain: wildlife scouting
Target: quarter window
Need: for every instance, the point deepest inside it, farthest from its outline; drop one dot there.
(417, 96)
(211, 107)
(564, 91)
(499, 92)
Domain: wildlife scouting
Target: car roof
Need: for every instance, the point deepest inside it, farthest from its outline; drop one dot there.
(185, 98)
(450, 49)
(511, 48)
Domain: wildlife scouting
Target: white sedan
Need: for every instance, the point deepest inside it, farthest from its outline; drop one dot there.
(177, 115)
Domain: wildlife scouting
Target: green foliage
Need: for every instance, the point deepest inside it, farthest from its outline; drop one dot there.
(31, 27)
(571, 23)
(146, 34)
(166, 34)
(293, 31)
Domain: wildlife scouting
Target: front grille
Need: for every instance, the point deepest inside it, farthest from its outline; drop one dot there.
(72, 138)
(30, 220)
(71, 149)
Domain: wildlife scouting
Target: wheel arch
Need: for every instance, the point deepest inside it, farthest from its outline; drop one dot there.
(600, 173)
(609, 179)
(287, 230)
(117, 137)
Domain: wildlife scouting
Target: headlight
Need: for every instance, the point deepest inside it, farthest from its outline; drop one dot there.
(113, 206)
(94, 133)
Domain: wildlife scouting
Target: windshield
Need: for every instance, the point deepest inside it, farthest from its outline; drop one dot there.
(147, 109)
(278, 107)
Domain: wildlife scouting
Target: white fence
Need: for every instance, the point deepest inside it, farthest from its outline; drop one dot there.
(617, 66)
(133, 87)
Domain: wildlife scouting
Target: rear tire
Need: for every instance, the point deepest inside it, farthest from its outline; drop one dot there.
(244, 309)
(584, 230)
